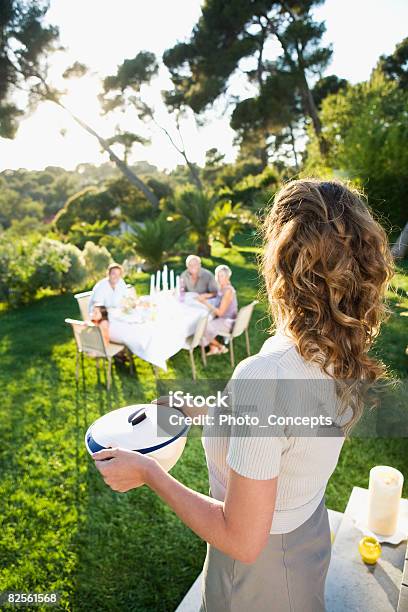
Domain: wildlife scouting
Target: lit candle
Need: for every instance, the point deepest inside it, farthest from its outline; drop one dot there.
(384, 494)
(171, 280)
(158, 280)
(152, 284)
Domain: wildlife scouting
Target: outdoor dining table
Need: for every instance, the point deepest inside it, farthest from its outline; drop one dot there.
(157, 328)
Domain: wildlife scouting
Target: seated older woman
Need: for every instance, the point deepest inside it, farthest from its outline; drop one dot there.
(224, 314)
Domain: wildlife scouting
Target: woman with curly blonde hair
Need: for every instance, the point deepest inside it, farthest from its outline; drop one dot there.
(326, 266)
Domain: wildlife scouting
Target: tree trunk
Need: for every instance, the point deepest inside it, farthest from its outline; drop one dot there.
(400, 248)
(203, 249)
(310, 106)
(121, 165)
(292, 141)
(193, 173)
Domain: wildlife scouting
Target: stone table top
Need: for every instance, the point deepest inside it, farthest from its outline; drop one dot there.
(351, 584)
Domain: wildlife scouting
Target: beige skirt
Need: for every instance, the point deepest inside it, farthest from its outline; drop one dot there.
(288, 576)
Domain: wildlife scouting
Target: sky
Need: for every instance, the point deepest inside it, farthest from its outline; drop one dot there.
(102, 34)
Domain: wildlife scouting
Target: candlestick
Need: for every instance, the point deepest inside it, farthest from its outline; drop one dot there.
(384, 495)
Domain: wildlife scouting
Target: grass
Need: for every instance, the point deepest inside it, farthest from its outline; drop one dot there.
(61, 528)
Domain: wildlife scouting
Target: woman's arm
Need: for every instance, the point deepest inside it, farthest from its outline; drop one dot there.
(239, 526)
(222, 308)
(225, 302)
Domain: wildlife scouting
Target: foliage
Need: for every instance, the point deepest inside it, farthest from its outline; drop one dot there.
(97, 258)
(133, 205)
(13, 206)
(327, 86)
(16, 270)
(395, 66)
(57, 265)
(24, 41)
(81, 232)
(30, 264)
(226, 34)
(50, 187)
(256, 191)
(196, 208)
(120, 247)
(229, 220)
(366, 131)
(89, 205)
(154, 239)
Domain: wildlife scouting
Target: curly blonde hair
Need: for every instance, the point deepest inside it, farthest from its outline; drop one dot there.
(326, 266)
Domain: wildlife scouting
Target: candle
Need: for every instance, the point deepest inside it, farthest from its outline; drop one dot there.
(165, 278)
(171, 280)
(152, 284)
(384, 494)
(158, 280)
(178, 285)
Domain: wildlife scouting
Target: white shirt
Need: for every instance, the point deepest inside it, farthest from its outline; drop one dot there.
(277, 380)
(103, 293)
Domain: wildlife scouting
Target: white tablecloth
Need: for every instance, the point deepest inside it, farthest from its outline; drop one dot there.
(157, 333)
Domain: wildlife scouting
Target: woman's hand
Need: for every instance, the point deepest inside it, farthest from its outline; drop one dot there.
(123, 469)
(201, 298)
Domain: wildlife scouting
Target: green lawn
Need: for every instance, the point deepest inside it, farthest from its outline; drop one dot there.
(61, 528)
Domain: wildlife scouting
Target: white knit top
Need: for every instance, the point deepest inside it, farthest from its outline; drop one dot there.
(303, 463)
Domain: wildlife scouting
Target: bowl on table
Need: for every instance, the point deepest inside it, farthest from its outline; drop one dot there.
(145, 428)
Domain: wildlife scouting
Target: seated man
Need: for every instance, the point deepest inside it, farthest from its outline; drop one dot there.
(197, 279)
(110, 290)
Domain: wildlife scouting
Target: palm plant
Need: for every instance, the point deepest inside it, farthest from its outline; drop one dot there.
(227, 220)
(196, 208)
(156, 237)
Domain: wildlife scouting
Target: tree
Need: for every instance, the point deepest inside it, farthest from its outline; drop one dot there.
(14, 207)
(227, 32)
(24, 42)
(89, 206)
(327, 86)
(366, 132)
(123, 89)
(395, 66)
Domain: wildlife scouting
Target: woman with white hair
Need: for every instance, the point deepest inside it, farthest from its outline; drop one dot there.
(224, 314)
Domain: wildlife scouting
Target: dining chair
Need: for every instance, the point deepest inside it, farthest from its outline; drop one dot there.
(195, 340)
(83, 303)
(241, 325)
(89, 341)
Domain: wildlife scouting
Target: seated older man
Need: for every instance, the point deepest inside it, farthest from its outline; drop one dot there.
(110, 290)
(198, 279)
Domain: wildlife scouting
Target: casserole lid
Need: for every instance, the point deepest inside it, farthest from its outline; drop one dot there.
(140, 427)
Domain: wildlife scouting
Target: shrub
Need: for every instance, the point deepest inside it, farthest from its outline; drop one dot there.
(153, 240)
(97, 258)
(16, 271)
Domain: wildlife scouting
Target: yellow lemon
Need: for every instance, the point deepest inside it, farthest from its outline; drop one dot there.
(370, 550)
